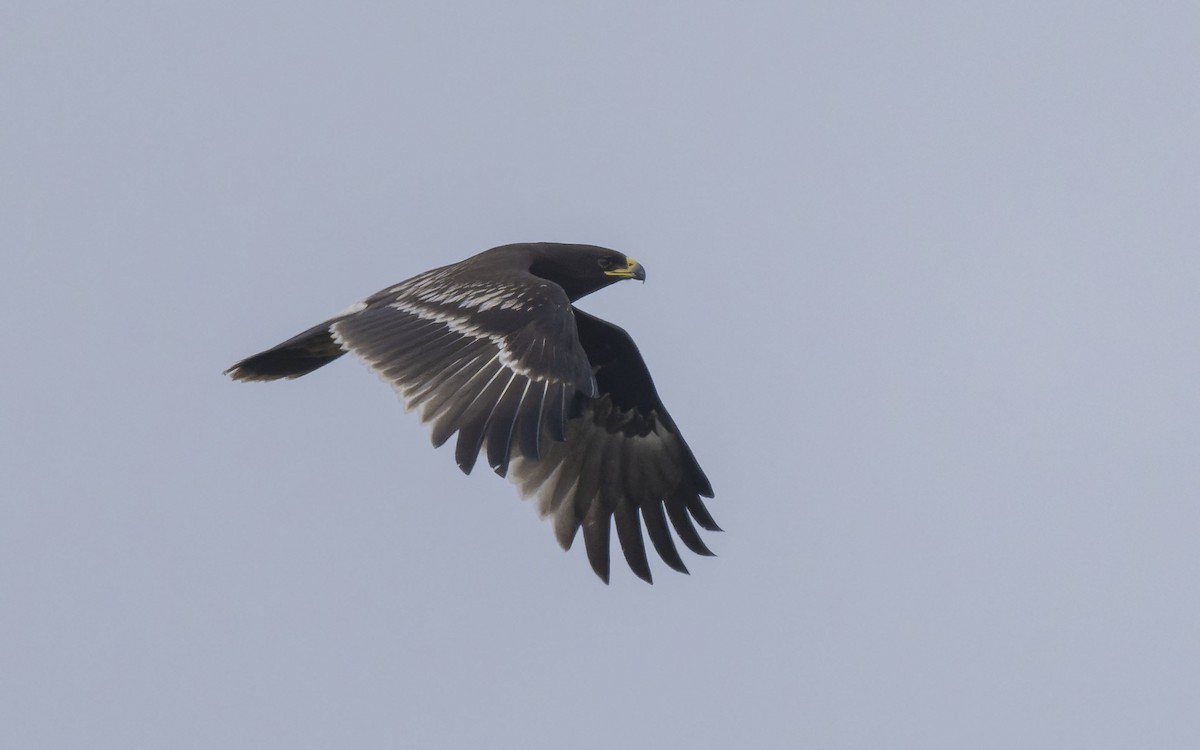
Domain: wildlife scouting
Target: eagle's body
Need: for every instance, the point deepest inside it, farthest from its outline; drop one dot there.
(559, 400)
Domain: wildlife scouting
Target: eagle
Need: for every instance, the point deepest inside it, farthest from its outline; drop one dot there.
(559, 401)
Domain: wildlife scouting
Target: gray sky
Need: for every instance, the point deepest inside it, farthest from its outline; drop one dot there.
(923, 296)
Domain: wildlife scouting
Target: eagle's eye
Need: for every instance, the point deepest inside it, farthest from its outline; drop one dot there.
(607, 263)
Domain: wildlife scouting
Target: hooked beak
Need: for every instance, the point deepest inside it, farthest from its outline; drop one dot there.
(632, 270)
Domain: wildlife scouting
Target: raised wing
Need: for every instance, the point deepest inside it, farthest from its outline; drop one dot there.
(623, 455)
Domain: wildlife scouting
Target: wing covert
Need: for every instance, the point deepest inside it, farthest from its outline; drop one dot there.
(497, 364)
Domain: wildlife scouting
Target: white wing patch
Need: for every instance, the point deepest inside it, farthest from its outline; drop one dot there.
(464, 327)
(357, 307)
(440, 289)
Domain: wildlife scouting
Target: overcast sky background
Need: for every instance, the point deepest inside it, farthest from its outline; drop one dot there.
(923, 294)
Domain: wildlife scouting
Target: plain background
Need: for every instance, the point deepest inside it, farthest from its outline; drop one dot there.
(923, 296)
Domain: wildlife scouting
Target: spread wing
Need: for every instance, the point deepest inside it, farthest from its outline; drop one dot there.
(489, 351)
(499, 363)
(623, 457)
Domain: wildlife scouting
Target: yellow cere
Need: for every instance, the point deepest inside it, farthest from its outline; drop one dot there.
(626, 272)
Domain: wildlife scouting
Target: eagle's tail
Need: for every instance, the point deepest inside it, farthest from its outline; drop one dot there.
(297, 356)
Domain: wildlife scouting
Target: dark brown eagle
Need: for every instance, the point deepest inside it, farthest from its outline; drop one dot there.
(558, 400)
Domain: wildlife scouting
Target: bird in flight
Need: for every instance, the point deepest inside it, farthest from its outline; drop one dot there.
(559, 401)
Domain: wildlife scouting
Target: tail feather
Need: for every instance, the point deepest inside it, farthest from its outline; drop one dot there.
(297, 356)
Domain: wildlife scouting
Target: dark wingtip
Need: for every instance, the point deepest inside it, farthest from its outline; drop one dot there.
(599, 561)
(642, 572)
(660, 536)
(681, 520)
(466, 464)
(601, 574)
(596, 535)
(700, 513)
